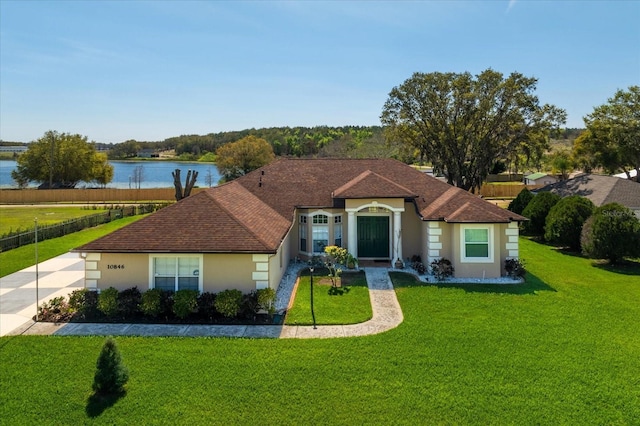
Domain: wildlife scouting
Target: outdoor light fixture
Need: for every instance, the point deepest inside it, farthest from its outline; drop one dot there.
(313, 315)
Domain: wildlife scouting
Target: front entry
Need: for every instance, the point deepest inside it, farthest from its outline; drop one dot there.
(373, 236)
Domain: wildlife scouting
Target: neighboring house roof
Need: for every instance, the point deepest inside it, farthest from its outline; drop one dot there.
(535, 176)
(633, 173)
(599, 189)
(254, 212)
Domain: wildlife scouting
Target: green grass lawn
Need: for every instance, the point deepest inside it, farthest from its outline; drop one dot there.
(563, 348)
(22, 257)
(22, 218)
(348, 304)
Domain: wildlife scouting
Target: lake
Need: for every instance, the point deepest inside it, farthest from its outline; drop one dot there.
(155, 174)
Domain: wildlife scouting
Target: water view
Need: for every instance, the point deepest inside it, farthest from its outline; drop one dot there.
(154, 174)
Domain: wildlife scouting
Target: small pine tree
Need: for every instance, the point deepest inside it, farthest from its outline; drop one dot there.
(111, 375)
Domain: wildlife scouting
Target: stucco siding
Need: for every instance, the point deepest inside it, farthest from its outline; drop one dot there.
(412, 233)
(118, 270)
(228, 271)
(469, 269)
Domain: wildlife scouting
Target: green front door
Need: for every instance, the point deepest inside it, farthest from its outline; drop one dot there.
(373, 236)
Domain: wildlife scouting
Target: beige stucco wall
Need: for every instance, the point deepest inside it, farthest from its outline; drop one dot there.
(228, 271)
(477, 270)
(118, 270)
(413, 234)
(219, 271)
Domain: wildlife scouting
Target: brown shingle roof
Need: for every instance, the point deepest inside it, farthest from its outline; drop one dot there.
(254, 213)
(369, 184)
(229, 219)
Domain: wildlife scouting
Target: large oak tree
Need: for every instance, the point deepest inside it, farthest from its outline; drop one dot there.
(463, 124)
(61, 160)
(612, 139)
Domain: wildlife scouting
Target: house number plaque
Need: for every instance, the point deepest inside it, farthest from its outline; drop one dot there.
(111, 266)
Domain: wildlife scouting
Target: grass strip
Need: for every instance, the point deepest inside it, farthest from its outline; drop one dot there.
(22, 257)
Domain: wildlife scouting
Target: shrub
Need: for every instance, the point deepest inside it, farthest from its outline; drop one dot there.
(151, 304)
(442, 269)
(419, 267)
(228, 302)
(108, 302)
(266, 299)
(537, 211)
(111, 374)
(185, 302)
(564, 221)
(84, 302)
(612, 233)
(249, 305)
(57, 309)
(515, 268)
(521, 201)
(206, 307)
(129, 302)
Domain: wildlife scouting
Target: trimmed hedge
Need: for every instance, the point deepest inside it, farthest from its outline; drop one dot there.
(154, 305)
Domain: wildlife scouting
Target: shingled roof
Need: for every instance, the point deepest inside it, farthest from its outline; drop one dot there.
(600, 189)
(254, 213)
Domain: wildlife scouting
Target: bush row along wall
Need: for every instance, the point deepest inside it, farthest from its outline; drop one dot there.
(74, 225)
(81, 196)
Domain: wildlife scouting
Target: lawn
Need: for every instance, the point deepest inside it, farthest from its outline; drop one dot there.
(22, 218)
(22, 257)
(348, 304)
(563, 348)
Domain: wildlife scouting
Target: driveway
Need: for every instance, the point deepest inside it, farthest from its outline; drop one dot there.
(56, 277)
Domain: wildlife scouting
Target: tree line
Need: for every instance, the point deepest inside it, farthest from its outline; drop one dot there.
(285, 141)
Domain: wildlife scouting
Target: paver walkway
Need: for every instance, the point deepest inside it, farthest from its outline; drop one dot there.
(386, 315)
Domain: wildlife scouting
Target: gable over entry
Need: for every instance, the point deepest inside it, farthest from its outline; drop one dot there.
(375, 228)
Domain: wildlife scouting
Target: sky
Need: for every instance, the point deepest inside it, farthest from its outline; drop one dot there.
(150, 70)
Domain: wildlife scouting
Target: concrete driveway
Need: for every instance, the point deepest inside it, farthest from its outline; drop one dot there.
(56, 277)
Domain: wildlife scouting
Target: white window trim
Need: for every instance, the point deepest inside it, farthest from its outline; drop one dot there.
(463, 258)
(154, 256)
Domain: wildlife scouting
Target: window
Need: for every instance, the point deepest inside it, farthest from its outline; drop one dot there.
(320, 232)
(303, 233)
(175, 273)
(337, 230)
(320, 218)
(477, 243)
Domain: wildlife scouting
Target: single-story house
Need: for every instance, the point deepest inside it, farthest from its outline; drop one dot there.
(539, 179)
(244, 233)
(600, 189)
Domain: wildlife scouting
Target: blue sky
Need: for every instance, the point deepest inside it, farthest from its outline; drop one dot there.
(151, 70)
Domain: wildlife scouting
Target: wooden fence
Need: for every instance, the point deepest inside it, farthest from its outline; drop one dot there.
(504, 191)
(120, 196)
(88, 196)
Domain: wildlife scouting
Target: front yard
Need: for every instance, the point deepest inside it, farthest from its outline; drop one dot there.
(563, 348)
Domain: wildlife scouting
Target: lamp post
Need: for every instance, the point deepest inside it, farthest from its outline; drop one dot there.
(36, 244)
(313, 315)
